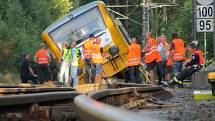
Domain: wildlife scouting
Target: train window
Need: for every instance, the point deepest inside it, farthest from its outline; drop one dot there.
(123, 31)
(79, 27)
(120, 25)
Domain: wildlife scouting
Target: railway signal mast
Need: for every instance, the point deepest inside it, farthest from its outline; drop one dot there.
(146, 8)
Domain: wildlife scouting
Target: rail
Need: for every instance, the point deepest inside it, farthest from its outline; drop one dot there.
(87, 108)
(91, 110)
(21, 99)
(111, 92)
(17, 90)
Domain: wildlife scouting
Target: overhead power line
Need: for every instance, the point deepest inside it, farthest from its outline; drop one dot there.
(124, 17)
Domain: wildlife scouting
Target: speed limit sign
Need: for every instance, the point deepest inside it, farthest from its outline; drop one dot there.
(205, 18)
(205, 25)
(205, 11)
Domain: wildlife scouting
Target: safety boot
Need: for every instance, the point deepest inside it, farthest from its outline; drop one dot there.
(174, 81)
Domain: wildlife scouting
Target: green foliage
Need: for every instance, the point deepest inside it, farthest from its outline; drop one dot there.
(21, 24)
(181, 22)
(156, 21)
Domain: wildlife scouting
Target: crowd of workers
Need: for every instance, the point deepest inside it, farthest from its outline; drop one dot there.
(165, 60)
(70, 58)
(161, 58)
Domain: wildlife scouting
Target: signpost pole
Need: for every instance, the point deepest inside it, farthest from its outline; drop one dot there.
(214, 35)
(205, 44)
(194, 20)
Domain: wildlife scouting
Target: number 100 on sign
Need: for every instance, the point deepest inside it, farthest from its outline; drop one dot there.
(205, 11)
(205, 25)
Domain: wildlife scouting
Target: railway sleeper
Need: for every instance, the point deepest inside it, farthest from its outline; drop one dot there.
(36, 112)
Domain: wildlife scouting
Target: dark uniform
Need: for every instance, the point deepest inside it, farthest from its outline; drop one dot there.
(193, 66)
(25, 74)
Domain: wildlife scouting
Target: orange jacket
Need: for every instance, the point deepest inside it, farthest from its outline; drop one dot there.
(152, 54)
(42, 57)
(179, 50)
(201, 58)
(87, 47)
(134, 55)
(96, 54)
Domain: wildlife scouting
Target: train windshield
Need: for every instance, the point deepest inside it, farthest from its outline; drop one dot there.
(78, 28)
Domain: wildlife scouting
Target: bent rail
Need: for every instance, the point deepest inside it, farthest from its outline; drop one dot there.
(91, 110)
(86, 107)
(10, 100)
(18, 90)
(111, 92)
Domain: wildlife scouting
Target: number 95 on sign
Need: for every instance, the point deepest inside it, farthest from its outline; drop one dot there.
(205, 25)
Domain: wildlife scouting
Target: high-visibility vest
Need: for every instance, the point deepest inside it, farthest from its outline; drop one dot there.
(179, 51)
(166, 53)
(67, 54)
(134, 55)
(75, 60)
(88, 48)
(153, 53)
(96, 54)
(201, 58)
(42, 57)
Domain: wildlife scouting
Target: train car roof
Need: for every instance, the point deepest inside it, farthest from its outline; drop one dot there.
(72, 14)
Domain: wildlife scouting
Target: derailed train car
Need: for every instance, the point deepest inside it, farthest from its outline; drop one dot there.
(93, 18)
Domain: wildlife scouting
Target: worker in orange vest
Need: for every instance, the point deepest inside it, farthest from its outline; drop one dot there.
(134, 60)
(163, 59)
(151, 55)
(87, 50)
(196, 63)
(97, 60)
(43, 58)
(177, 51)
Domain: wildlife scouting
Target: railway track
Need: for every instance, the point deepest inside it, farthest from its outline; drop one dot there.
(66, 104)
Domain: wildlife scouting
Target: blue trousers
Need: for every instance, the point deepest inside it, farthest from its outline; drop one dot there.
(87, 70)
(177, 67)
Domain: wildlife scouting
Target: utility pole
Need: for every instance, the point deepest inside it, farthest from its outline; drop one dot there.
(146, 8)
(194, 21)
(127, 11)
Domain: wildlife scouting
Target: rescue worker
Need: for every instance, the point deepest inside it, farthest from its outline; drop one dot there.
(151, 55)
(177, 50)
(163, 50)
(87, 50)
(97, 60)
(134, 60)
(43, 58)
(76, 56)
(196, 63)
(27, 72)
(65, 65)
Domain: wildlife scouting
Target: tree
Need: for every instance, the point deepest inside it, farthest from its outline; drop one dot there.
(21, 24)
(156, 21)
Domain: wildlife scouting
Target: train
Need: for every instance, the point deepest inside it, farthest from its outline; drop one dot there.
(92, 18)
